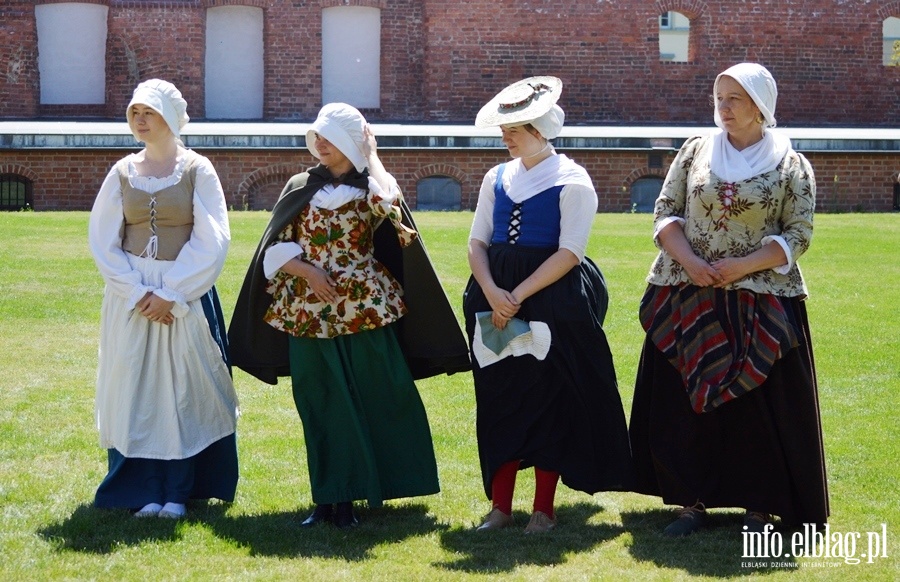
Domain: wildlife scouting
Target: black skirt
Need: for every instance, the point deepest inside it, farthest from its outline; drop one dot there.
(563, 413)
(762, 451)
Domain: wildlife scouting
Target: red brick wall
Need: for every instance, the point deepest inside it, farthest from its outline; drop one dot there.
(825, 56)
(19, 88)
(441, 60)
(149, 40)
(854, 182)
(69, 180)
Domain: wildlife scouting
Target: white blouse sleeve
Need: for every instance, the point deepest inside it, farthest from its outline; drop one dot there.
(577, 207)
(785, 268)
(385, 202)
(105, 228)
(664, 222)
(201, 259)
(483, 223)
(277, 255)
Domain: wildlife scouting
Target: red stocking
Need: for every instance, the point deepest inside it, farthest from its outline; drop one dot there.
(503, 485)
(545, 490)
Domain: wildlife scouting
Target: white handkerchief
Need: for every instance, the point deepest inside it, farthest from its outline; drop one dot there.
(518, 338)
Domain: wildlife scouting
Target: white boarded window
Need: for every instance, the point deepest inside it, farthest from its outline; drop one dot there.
(71, 53)
(234, 62)
(890, 33)
(674, 36)
(351, 56)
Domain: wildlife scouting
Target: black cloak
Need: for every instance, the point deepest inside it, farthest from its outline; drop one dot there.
(429, 334)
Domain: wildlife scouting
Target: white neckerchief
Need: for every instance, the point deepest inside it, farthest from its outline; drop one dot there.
(556, 170)
(734, 166)
(330, 196)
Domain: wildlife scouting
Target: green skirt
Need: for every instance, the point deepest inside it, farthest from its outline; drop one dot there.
(366, 431)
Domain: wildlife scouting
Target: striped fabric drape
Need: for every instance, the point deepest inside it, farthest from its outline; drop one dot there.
(723, 343)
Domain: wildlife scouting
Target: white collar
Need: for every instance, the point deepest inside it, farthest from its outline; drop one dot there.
(331, 197)
(556, 170)
(734, 166)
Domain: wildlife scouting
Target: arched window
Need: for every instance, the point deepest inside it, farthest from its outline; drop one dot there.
(351, 61)
(71, 53)
(438, 193)
(674, 33)
(15, 192)
(890, 34)
(644, 192)
(234, 62)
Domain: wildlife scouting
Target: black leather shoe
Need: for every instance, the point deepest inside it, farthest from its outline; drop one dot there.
(321, 514)
(755, 521)
(690, 520)
(344, 516)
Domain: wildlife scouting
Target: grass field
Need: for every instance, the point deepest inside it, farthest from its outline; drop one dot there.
(50, 462)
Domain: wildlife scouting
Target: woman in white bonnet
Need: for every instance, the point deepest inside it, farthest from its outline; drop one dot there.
(166, 406)
(546, 398)
(725, 410)
(319, 304)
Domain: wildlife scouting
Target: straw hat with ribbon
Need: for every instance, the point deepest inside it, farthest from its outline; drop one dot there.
(532, 100)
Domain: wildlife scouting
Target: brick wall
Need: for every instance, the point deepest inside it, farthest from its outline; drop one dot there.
(825, 56)
(441, 60)
(19, 85)
(69, 179)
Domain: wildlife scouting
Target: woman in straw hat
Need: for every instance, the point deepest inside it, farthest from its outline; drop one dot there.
(166, 407)
(323, 301)
(545, 384)
(725, 410)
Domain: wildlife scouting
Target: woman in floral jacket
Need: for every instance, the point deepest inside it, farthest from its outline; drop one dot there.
(317, 285)
(726, 410)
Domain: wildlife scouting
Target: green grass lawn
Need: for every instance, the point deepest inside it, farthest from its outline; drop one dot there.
(50, 462)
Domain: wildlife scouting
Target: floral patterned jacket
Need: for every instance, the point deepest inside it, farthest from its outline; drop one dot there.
(721, 219)
(429, 334)
(340, 241)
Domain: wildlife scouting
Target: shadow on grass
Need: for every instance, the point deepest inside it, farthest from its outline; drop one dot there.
(102, 531)
(715, 551)
(503, 551)
(280, 534)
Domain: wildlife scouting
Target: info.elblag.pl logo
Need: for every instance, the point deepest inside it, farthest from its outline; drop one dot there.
(821, 544)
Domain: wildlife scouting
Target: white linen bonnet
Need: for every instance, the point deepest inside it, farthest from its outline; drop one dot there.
(758, 82)
(344, 126)
(164, 98)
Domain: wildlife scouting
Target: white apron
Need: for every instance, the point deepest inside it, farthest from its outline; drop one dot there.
(163, 391)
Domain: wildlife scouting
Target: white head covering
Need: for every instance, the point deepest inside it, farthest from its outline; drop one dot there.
(550, 123)
(758, 82)
(343, 125)
(532, 100)
(732, 165)
(164, 98)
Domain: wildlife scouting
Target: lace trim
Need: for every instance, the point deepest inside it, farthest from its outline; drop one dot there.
(152, 183)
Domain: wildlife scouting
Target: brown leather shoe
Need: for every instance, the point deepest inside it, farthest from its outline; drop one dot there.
(496, 519)
(540, 522)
